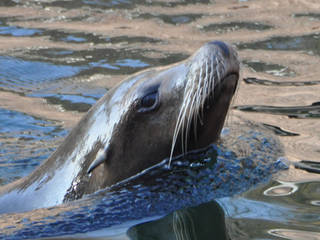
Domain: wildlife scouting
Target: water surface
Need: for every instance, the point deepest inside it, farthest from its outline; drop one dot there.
(65, 55)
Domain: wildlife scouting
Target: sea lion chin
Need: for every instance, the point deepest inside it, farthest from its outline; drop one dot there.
(150, 116)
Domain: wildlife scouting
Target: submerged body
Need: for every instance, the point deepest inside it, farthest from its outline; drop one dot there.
(153, 115)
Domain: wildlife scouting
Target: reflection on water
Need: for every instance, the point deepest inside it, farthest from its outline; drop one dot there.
(17, 31)
(310, 166)
(21, 75)
(93, 4)
(294, 234)
(172, 19)
(7, 3)
(25, 142)
(104, 61)
(234, 26)
(283, 206)
(52, 49)
(70, 102)
(311, 111)
(273, 69)
(122, 4)
(204, 221)
(278, 131)
(266, 82)
(310, 15)
(307, 43)
(135, 39)
(34, 77)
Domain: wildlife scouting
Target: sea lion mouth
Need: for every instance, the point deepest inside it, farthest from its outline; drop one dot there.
(214, 113)
(211, 83)
(210, 120)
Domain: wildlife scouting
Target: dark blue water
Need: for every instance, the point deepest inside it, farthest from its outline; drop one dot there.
(40, 72)
(307, 43)
(20, 74)
(25, 141)
(15, 31)
(195, 179)
(36, 78)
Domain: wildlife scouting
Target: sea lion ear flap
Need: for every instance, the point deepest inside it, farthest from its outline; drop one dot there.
(100, 158)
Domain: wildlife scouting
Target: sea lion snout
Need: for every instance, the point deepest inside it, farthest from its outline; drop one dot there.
(223, 47)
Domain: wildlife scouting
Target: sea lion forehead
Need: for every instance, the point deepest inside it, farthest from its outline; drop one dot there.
(129, 86)
(163, 78)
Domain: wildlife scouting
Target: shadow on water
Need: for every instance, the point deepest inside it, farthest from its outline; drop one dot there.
(270, 68)
(25, 141)
(235, 26)
(307, 43)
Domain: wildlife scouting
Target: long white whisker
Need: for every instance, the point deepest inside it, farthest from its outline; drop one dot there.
(201, 80)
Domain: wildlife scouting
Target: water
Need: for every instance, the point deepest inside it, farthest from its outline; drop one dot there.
(172, 19)
(199, 178)
(273, 69)
(311, 111)
(59, 57)
(277, 83)
(25, 142)
(309, 43)
(234, 26)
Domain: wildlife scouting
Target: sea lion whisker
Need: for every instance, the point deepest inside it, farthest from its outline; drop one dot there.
(217, 69)
(205, 90)
(154, 108)
(189, 121)
(195, 123)
(199, 93)
(190, 101)
(212, 80)
(191, 106)
(180, 122)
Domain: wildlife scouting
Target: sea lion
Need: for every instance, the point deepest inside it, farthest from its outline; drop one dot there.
(152, 115)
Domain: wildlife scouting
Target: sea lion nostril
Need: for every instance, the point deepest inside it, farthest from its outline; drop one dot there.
(223, 47)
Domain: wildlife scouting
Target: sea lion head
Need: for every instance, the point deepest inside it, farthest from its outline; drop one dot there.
(157, 114)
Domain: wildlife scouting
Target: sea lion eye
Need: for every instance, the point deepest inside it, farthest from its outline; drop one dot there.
(149, 102)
